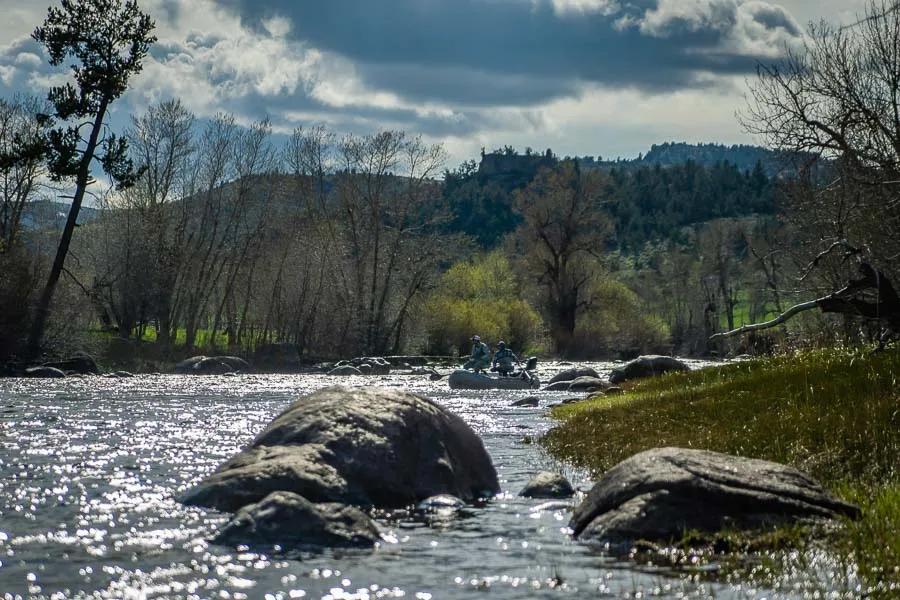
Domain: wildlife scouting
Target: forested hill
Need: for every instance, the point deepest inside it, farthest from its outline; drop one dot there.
(670, 154)
(650, 198)
(744, 157)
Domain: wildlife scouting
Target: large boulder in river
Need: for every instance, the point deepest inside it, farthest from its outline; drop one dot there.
(47, 372)
(574, 373)
(187, 365)
(646, 366)
(292, 521)
(365, 446)
(587, 384)
(212, 365)
(80, 363)
(659, 494)
(216, 365)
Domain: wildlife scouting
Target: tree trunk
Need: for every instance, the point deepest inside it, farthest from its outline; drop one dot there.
(62, 250)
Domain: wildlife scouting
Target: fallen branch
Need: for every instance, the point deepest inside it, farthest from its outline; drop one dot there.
(885, 308)
(767, 324)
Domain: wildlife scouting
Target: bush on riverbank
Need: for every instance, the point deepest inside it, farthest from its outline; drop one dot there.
(832, 413)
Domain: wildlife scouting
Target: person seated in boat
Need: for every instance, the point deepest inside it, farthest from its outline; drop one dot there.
(504, 360)
(480, 359)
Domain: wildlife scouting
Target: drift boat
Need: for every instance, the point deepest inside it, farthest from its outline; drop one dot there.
(467, 380)
(462, 379)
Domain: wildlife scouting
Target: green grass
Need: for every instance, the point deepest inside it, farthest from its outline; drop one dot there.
(832, 413)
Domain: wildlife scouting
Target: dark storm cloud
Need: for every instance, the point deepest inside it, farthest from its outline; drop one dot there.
(525, 51)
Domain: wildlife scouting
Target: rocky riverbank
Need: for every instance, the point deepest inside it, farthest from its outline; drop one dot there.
(770, 430)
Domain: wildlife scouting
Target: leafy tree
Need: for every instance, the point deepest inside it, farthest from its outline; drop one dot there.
(563, 232)
(480, 296)
(106, 41)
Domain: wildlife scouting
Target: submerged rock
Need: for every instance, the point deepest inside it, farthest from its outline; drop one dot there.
(646, 366)
(46, 372)
(365, 446)
(289, 520)
(441, 503)
(344, 370)
(659, 494)
(547, 485)
(529, 401)
(573, 374)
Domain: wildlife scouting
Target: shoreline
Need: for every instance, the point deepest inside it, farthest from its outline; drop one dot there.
(831, 413)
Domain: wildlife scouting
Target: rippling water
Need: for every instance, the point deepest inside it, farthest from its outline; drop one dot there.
(90, 469)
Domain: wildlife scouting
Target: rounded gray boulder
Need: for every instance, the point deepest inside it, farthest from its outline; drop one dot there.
(531, 401)
(547, 485)
(364, 446)
(574, 373)
(45, 372)
(291, 521)
(659, 494)
(646, 366)
(587, 384)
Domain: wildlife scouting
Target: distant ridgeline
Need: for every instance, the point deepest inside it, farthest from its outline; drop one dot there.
(52, 215)
(652, 197)
(669, 154)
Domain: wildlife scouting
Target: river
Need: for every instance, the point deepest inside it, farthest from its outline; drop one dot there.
(90, 470)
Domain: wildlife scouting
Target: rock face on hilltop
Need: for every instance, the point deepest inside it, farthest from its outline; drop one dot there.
(658, 494)
(646, 366)
(362, 446)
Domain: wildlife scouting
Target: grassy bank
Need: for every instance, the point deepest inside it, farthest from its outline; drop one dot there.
(834, 414)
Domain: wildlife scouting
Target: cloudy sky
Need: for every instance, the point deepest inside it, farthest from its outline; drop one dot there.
(585, 77)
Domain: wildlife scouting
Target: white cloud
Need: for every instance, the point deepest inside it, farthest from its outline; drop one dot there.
(7, 74)
(576, 7)
(28, 60)
(681, 16)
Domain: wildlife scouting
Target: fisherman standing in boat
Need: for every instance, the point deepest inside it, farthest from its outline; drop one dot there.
(480, 358)
(504, 359)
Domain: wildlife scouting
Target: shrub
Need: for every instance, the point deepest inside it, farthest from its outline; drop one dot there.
(480, 296)
(618, 323)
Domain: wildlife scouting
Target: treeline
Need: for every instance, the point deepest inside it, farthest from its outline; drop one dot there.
(215, 237)
(646, 204)
(353, 245)
(229, 242)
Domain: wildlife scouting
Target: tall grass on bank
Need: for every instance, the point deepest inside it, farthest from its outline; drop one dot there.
(834, 414)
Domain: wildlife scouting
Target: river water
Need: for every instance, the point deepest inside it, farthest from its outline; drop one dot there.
(90, 470)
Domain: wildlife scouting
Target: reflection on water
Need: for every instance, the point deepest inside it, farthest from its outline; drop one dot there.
(90, 468)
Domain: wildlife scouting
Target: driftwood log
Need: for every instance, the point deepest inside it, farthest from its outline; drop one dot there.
(871, 296)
